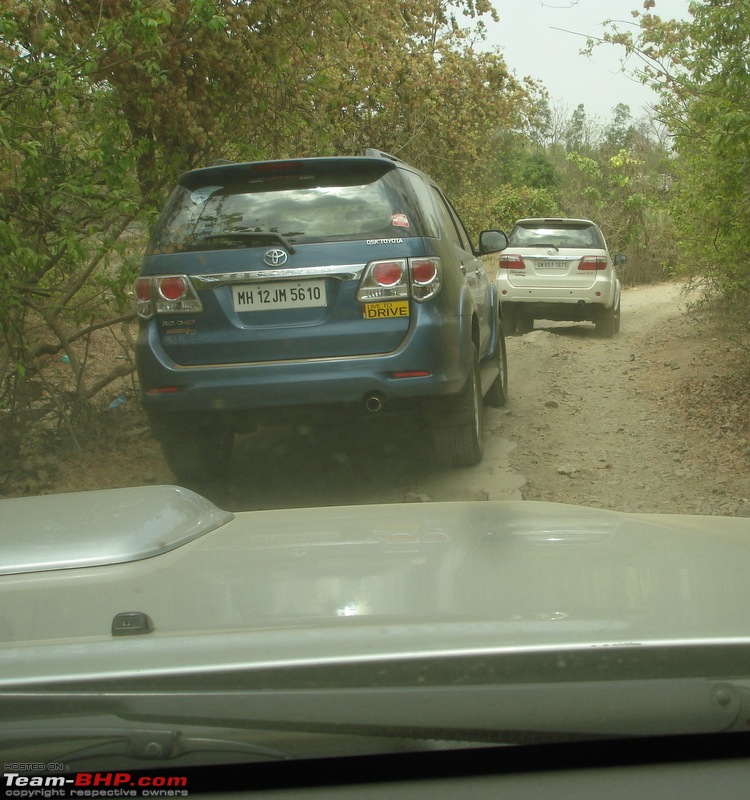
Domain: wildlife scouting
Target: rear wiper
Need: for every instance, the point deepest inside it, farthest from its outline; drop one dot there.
(277, 237)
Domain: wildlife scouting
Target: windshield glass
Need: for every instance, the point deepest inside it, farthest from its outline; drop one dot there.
(550, 234)
(301, 208)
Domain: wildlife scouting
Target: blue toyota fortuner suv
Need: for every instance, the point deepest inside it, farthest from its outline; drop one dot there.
(280, 291)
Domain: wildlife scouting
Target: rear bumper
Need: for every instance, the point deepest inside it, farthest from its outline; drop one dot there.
(441, 348)
(569, 305)
(562, 312)
(600, 294)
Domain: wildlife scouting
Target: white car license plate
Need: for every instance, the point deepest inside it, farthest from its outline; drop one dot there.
(551, 264)
(279, 295)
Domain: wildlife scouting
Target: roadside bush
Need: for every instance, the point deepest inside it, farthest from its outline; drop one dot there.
(501, 207)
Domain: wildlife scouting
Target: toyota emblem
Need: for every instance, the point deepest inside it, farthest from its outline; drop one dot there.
(275, 258)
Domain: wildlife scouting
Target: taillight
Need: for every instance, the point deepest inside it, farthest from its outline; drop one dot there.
(399, 279)
(423, 270)
(165, 294)
(172, 287)
(142, 290)
(388, 273)
(510, 261)
(425, 277)
(384, 280)
(593, 262)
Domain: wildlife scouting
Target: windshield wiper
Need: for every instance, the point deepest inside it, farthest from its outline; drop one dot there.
(114, 736)
(242, 235)
(506, 712)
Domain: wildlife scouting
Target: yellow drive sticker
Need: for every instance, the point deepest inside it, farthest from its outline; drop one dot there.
(399, 308)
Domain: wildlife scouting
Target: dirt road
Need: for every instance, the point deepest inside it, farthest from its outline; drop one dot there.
(605, 423)
(622, 423)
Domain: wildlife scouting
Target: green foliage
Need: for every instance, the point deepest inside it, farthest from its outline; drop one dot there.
(630, 206)
(699, 66)
(534, 170)
(63, 206)
(499, 208)
(620, 133)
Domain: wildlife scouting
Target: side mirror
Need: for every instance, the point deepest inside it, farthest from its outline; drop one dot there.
(621, 260)
(492, 242)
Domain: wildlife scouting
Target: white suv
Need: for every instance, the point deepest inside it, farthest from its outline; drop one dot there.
(559, 269)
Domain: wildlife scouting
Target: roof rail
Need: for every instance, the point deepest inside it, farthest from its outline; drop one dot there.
(374, 153)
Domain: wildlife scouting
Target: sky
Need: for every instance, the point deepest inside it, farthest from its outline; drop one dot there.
(527, 37)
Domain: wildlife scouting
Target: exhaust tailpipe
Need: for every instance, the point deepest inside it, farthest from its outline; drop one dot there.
(374, 402)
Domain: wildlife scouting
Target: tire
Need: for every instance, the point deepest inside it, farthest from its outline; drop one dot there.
(497, 394)
(618, 315)
(524, 323)
(198, 455)
(460, 444)
(608, 322)
(510, 318)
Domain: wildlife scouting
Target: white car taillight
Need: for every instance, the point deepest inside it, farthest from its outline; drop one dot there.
(510, 261)
(165, 294)
(593, 262)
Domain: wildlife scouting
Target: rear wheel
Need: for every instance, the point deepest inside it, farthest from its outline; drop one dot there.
(618, 314)
(510, 318)
(458, 439)
(524, 323)
(497, 394)
(198, 455)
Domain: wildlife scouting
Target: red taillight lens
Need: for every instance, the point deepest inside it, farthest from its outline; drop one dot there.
(173, 287)
(593, 262)
(509, 261)
(388, 273)
(423, 271)
(142, 289)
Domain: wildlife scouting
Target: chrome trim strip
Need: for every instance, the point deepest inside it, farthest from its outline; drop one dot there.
(341, 272)
(276, 362)
(552, 258)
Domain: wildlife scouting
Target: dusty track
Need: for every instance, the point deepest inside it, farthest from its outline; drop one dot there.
(604, 422)
(592, 421)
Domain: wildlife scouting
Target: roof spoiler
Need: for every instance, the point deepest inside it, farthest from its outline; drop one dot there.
(374, 153)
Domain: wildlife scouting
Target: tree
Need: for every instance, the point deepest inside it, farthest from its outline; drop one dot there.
(579, 135)
(699, 67)
(619, 134)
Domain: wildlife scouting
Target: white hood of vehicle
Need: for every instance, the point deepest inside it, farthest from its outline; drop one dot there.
(366, 582)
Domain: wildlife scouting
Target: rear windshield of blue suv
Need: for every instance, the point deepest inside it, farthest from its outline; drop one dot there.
(303, 201)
